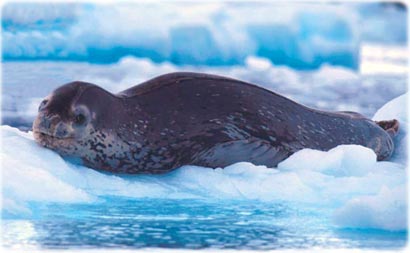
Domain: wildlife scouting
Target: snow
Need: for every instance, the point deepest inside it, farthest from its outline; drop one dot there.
(363, 192)
(216, 33)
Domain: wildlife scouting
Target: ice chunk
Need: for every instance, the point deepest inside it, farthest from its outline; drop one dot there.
(32, 173)
(344, 160)
(385, 210)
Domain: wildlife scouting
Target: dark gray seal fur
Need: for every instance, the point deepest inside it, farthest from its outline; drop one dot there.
(193, 119)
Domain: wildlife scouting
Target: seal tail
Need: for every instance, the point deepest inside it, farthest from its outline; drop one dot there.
(390, 126)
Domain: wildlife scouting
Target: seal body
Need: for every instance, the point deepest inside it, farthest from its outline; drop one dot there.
(193, 119)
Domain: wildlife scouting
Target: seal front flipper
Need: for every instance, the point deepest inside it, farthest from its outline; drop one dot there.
(256, 151)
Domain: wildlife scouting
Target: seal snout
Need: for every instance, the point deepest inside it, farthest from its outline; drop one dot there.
(45, 123)
(51, 125)
(61, 130)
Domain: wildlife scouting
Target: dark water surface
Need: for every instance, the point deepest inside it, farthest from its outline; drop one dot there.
(193, 224)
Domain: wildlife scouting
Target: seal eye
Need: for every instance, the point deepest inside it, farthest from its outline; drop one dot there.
(79, 119)
(42, 105)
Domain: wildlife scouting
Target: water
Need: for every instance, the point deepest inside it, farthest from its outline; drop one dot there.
(116, 222)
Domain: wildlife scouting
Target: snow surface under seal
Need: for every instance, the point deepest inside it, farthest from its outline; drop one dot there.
(364, 193)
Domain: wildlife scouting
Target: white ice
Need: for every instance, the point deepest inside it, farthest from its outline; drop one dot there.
(362, 192)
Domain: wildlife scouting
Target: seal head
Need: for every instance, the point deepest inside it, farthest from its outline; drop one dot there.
(67, 118)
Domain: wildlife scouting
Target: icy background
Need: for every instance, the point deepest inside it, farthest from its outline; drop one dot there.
(298, 35)
(328, 56)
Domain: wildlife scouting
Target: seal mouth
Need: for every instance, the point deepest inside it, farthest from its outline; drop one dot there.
(47, 140)
(44, 134)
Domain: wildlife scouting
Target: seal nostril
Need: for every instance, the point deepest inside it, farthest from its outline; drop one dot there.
(61, 130)
(45, 122)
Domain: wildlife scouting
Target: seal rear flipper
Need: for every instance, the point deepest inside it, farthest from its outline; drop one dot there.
(256, 151)
(390, 126)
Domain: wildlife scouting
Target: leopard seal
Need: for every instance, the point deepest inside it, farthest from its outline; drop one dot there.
(193, 119)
